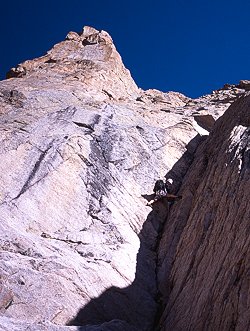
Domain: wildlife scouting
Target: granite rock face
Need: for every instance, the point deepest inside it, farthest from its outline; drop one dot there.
(81, 147)
(204, 254)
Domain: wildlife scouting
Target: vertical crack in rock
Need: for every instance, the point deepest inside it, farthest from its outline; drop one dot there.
(136, 305)
(178, 172)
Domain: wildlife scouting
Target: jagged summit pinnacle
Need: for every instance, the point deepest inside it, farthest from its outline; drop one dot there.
(89, 57)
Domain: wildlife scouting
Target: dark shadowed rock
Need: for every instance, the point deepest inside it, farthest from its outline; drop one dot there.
(204, 251)
(244, 84)
(205, 121)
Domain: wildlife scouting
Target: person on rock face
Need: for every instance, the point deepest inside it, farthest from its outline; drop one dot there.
(162, 190)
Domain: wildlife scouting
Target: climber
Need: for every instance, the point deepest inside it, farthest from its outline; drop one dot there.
(162, 190)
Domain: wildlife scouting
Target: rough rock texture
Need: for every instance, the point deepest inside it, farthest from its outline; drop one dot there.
(81, 147)
(87, 59)
(204, 253)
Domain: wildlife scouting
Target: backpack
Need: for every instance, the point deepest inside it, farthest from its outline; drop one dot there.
(159, 186)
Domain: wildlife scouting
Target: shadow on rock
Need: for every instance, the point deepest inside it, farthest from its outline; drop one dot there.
(134, 307)
(180, 168)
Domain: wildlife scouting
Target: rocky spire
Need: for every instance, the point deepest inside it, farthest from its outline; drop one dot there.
(89, 57)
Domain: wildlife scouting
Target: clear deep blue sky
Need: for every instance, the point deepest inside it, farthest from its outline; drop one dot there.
(190, 46)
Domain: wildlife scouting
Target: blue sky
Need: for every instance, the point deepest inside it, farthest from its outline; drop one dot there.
(192, 46)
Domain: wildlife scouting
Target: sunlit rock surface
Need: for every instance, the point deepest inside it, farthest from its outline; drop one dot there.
(81, 147)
